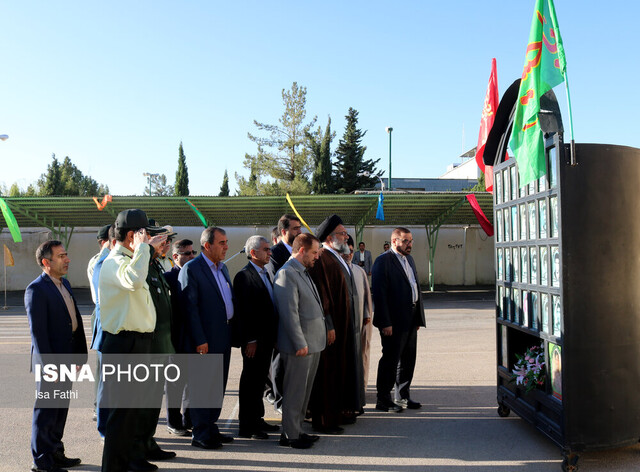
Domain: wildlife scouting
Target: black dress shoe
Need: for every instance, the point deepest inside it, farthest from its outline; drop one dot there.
(309, 437)
(207, 444)
(53, 468)
(411, 405)
(329, 429)
(140, 465)
(264, 426)
(388, 406)
(253, 434)
(61, 460)
(299, 443)
(224, 438)
(160, 455)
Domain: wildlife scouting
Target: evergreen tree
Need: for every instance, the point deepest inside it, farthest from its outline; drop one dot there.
(159, 187)
(15, 191)
(50, 183)
(31, 191)
(320, 147)
(248, 187)
(224, 188)
(352, 171)
(283, 156)
(68, 180)
(182, 175)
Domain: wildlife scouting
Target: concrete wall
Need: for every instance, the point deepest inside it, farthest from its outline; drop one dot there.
(464, 255)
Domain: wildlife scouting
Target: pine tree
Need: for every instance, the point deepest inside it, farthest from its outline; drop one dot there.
(352, 172)
(283, 156)
(50, 183)
(182, 175)
(320, 147)
(224, 188)
(159, 186)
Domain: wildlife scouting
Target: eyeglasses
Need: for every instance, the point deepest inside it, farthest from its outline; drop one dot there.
(341, 233)
(188, 253)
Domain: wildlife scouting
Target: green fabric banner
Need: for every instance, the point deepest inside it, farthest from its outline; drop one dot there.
(544, 68)
(197, 212)
(11, 221)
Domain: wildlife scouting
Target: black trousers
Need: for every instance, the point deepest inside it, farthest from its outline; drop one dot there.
(123, 423)
(397, 363)
(255, 371)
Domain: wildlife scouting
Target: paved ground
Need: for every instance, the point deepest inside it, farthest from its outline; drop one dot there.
(457, 429)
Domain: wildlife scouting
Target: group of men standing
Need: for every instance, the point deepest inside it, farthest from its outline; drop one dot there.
(301, 306)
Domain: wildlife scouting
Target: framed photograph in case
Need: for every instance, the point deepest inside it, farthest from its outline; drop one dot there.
(544, 266)
(544, 311)
(508, 268)
(499, 228)
(507, 225)
(517, 306)
(498, 187)
(524, 263)
(514, 223)
(542, 218)
(557, 316)
(555, 369)
(533, 262)
(555, 266)
(533, 221)
(500, 265)
(525, 308)
(535, 310)
(553, 213)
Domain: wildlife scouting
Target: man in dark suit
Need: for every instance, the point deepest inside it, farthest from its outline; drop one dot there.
(399, 313)
(289, 227)
(56, 328)
(302, 336)
(208, 303)
(256, 322)
(178, 419)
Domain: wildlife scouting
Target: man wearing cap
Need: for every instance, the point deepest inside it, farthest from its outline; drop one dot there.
(301, 337)
(335, 399)
(56, 328)
(178, 422)
(128, 320)
(161, 347)
(256, 321)
(208, 302)
(399, 315)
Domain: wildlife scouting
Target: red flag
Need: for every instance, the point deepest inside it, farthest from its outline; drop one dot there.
(486, 122)
(482, 218)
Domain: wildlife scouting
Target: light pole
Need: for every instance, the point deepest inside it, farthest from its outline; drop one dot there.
(147, 174)
(4, 137)
(389, 130)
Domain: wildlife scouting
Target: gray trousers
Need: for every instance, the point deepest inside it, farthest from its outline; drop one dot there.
(299, 373)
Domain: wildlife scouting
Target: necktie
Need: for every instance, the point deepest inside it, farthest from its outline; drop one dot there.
(267, 282)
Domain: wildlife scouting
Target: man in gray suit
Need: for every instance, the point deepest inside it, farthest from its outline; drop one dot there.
(362, 257)
(302, 335)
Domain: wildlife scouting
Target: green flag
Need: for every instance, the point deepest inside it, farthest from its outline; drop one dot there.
(544, 68)
(11, 221)
(197, 212)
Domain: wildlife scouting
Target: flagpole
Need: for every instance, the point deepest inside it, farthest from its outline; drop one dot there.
(573, 143)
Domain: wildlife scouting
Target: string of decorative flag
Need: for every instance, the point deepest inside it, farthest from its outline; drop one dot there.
(12, 224)
(298, 214)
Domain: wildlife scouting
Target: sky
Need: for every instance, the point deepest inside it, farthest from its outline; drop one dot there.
(117, 85)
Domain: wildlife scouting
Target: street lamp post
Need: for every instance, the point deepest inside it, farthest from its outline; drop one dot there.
(147, 174)
(389, 130)
(368, 174)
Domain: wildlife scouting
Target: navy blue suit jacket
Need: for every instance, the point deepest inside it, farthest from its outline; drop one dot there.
(50, 321)
(256, 317)
(204, 307)
(392, 294)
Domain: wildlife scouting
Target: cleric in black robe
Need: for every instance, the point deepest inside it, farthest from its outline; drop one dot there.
(335, 396)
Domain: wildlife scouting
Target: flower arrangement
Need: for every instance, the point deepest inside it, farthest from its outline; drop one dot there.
(529, 371)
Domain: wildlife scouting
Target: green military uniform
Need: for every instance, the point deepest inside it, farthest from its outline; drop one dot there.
(161, 347)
